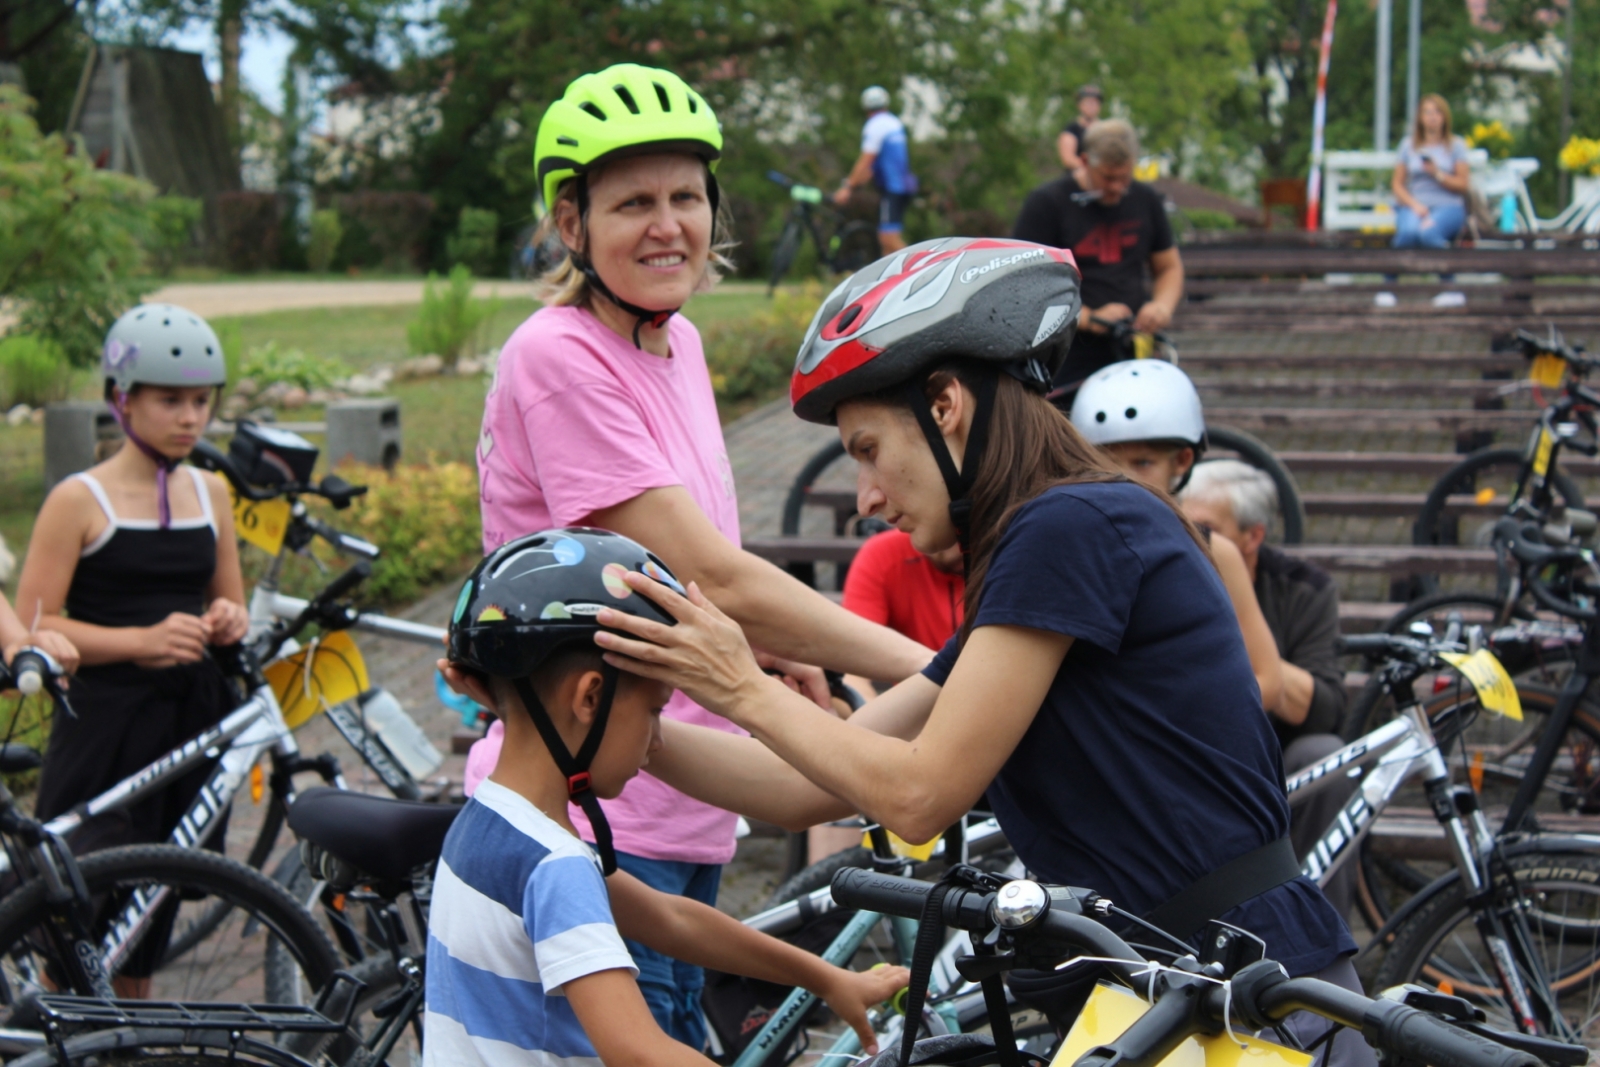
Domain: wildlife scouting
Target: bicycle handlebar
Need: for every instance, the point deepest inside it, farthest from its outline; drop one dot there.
(1527, 545)
(1259, 995)
(332, 488)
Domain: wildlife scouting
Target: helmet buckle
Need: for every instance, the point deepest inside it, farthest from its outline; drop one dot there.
(578, 783)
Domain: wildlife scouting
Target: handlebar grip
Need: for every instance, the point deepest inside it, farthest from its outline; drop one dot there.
(882, 893)
(359, 572)
(1417, 1037)
(30, 669)
(1365, 644)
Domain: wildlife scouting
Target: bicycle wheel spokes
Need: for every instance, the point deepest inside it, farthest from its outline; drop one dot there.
(1552, 922)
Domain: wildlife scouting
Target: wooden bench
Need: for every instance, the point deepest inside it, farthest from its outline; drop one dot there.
(1373, 362)
(842, 502)
(1364, 388)
(1261, 260)
(1367, 559)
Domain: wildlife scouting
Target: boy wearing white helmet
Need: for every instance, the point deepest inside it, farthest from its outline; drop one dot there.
(134, 560)
(1146, 414)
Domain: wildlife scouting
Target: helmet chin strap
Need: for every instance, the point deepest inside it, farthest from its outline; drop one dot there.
(656, 318)
(575, 768)
(116, 399)
(957, 482)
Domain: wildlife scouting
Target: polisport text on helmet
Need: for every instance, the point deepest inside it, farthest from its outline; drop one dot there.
(1000, 261)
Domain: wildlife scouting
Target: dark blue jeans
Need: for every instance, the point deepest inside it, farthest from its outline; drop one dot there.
(671, 987)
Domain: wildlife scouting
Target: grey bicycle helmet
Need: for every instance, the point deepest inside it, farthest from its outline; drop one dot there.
(165, 345)
(162, 344)
(874, 98)
(1011, 305)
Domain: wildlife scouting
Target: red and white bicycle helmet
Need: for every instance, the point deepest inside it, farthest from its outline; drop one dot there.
(1011, 304)
(980, 298)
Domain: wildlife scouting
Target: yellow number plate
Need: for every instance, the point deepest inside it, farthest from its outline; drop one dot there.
(336, 673)
(1494, 686)
(262, 523)
(1541, 454)
(1547, 370)
(1112, 1009)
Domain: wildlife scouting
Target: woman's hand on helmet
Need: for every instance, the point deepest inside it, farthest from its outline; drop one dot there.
(803, 678)
(179, 638)
(226, 622)
(705, 654)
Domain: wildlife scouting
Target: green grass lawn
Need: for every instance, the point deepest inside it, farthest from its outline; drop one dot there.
(440, 416)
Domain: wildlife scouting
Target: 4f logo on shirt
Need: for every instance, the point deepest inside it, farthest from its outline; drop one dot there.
(1106, 241)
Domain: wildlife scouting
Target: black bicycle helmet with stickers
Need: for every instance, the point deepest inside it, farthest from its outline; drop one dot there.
(1010, 304)
(536, 596)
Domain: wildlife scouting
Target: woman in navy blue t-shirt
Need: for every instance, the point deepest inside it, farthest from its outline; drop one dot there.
(1099, 689)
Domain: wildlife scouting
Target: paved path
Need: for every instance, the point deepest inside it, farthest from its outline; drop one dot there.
(209, 299)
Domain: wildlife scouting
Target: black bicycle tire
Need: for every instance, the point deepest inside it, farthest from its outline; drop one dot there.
(1256, 453)
(784, 251)
(794, 504)
(260, 852)
(1416, 936)
(819, 874)
(847, 259)
(1425, 531)
(26, 907)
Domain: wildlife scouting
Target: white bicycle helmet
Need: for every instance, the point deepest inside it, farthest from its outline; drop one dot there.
(1140, 400)
(874, 98)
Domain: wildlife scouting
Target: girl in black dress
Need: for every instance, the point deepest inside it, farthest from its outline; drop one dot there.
(135, 562)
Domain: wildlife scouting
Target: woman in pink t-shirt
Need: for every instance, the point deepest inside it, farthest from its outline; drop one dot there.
(602, 414)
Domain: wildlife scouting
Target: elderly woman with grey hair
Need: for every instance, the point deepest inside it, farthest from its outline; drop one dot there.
(1301, 605)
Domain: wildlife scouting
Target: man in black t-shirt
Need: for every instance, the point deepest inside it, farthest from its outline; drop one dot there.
(1116, 228)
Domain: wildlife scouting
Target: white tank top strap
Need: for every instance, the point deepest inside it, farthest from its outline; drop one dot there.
(203, 491)
(104, 501)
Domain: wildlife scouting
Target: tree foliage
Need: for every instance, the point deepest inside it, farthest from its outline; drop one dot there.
(71, 237)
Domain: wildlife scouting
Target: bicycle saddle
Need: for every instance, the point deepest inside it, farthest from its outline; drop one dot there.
(382, 837)
(14, 758)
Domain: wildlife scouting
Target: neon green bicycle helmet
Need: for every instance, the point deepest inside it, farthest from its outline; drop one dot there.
(622, 111)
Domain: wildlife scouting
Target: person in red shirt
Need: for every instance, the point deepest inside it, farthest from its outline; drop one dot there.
(892, 584)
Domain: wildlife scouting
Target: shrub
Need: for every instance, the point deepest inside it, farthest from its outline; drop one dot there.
(247, 227)
(172, 224)
(33, 371)
(449, 320)
(269, 364)
(474, 241)
(385, 229)
(751, 359)
(1205, 218)
(326, 233)
(72, 238)
(402, 514)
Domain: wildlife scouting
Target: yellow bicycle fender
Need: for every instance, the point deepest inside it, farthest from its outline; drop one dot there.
(337, 673)
(262, 523)
(903, 848)
(1112, 1009)
(1496, 691)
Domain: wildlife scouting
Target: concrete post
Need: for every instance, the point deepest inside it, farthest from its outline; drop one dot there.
(72, 429)
(367, 431)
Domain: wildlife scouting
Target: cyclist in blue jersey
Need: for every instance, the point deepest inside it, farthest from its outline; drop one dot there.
(885, 160)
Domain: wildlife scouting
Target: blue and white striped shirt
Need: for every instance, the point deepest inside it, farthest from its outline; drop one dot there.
(519, 909)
